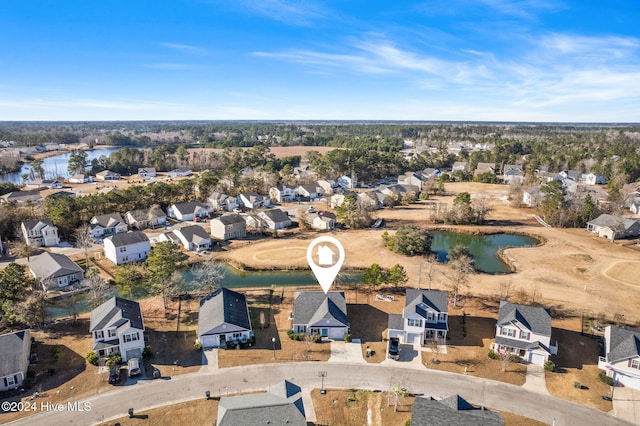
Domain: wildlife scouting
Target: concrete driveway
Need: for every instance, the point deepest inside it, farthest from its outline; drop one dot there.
(350, 352)
(410, 357)
(626, 404)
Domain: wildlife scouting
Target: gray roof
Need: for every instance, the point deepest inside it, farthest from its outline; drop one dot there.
(108, 220)
(126, 238)
(416, 300)
(223, 306)
(521, 344)
(536, 319)
(53, 265)
(22, 196)
(14, 352)
(194, 233)
(396, 322)
(187, 208)
(452, 411)
(310, 307)
(281, 405)
(147, 214)
(276, 215)
(623, 344)
(230, 219)
(615, 223)
(116, 312)
(36, 223)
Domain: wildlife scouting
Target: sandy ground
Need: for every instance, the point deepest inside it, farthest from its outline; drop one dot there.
(568, 271)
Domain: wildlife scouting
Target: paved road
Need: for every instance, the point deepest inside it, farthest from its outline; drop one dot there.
(154, 393)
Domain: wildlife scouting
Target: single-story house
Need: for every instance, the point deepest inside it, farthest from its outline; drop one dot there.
(107, 175)
(54, 270)
(15, 350)
(147, 172)
(275, 219)
(315, 312)
(189, 211)
(621, 360)
(193, 238)
(327, 185)
(614, 227)
(311, 191)
(454, 410)
(132, 246)
(321, 220)
(424, 318)
(228, 226)
(482, 168)
(107, 224)
(180, 172)
(153, 217)
(81, 178)
(117, 327)
(21, 197)
(223, 317)
(45, 183)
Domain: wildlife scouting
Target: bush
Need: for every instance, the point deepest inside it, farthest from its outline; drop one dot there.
(114, 359)
(147, 353)
(55, 352)
(605, 379)
(251, 341)
(31, 373)
(51, 371)
(197, 346)
(346, 337)
(493, 355)
(27, 383)
(92, 357)
(550, 366)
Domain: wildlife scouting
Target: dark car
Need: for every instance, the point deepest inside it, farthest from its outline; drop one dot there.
(114, 374)
(394, 348)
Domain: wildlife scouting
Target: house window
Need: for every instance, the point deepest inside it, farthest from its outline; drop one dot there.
(122, 249)
(10, 381)
(112, 332)
(99, 334)
(635, 363)
(132, 337)
(525, 335)
(414, 322)
(510, 332)
(442, 317)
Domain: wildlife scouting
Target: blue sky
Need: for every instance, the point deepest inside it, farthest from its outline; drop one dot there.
(498, 60)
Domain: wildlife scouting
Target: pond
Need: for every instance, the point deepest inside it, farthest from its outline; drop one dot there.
(484, 248)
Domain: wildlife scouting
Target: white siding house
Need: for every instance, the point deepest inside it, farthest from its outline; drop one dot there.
(424, 317)
(127, 247)
(117, 327)
(622, 356)
(223, 317)
(317, 313)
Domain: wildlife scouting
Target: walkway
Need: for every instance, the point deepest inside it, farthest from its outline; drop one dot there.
(187, 387)
(535, 379)
(209, 359)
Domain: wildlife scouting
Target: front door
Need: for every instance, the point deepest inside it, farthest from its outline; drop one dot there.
(223, 340)
(325, 332)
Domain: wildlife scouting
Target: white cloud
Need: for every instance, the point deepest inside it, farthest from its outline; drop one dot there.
(185, 48)
(291, 12)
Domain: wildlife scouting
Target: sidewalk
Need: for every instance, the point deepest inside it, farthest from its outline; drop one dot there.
(535, 379)
(209, 360)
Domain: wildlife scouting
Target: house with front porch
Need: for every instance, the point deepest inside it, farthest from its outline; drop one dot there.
(315, 312)
(524, 331)
(117, 327)
(55, 270)
(40, 233)
(223, 317)
(15, 349)
(425, 317)
(153, 217)
(614, 227)
(282, 193)
(107, 224)
(621, 360)
(107, 175)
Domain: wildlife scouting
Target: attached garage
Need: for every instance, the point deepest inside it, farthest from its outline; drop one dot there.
(537, 358)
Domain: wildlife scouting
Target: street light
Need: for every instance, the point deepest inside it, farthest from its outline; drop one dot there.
(273, 341)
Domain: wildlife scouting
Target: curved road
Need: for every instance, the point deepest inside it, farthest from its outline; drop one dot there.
(154, 393)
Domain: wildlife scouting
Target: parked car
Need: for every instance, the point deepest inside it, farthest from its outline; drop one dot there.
(134, 367)
(114, 374)
(394, 348)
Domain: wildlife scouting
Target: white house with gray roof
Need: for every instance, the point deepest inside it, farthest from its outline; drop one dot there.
(524, 331)
(153, 217)
(107, 224)
(189, 211)
(117, 327)
(133, 246)
(621, 360)
(15, 349)
(317, 313)
(275, 219)
(451, 411)
(40, 233)
(228, 226)
(424, 317)
(614, 227)
(281, 405)
(193, 238)
(55, 270)
(223, 317)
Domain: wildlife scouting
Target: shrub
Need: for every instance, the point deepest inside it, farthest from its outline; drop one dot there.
(550, 366)
(197, 346)
(55, 352)
(251, 341)
(27, 383)
(605, 379)
(51, 371)
(92, 357)
(346, 337)
(114, 359)
(493, 355)
(147, 353)
(31, 373)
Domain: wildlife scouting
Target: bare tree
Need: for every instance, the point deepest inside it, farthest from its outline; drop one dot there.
(32, 311)
(97, 286)
(22, 249)
(433, 346)
(505, 357)
(461, 267)
(82, 236)
(208, 274)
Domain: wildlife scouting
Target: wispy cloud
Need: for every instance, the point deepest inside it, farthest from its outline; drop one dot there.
(171, 66)
(526, 9)
(185, 48)
(292, 12)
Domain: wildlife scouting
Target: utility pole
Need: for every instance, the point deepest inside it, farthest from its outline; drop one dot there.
(419, 274)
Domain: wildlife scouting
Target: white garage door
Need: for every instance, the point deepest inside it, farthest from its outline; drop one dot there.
(537, 359)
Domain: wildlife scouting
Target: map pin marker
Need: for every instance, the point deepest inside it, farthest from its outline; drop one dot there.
(325, 268)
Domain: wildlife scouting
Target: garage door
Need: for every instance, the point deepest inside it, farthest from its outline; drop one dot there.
(537, 359)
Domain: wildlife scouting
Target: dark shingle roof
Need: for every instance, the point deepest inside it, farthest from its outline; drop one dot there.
(230, 219)
(417, 299)
(276, 215)
(623, 344)
(452, 411)
(396, 322)
(188, 208)
(108, 220)
(536, 319)
(223, 306)
(14, 351)
(147, 214)
(194, 233)
(31, 224)
(116, 312)
(126, 238)
(310, 307)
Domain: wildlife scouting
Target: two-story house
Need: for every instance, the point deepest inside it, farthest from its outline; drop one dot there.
(424, 317)
(282, 193)
(251, 200)
(133, 246)
(15, 349)
(223, 317)
(224, 202)
(275, 219)
(40, 233)
(55, 270)
(117, 327)
(228, 226)
(317, 313)
(153, 217)
(107, 224)
(621, 360)
(524, 331)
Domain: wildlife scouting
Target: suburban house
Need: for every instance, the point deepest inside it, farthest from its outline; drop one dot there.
(282, 193)
(193, 238)
(228, 226)
(419, 178)
(251, 200)
(424, 318)
(223, 317)
(461, 166)
(482, 168)
(19, 197)
(180, 172)
(532, 196)
(107, 175)
(44, 184)
(320, 220)
(573, 175)
(593, 179)
(40, 233)
(348, 181)
(317, 313)
(454, 410)
(614, 227)
(107, 224)
(220, 201)
(117, 327)
(512, 173)
(327, 185)
(15, 350)
(54, 270)
(147, 172)
(280, 405)
(153, 217)
(621, 360)
(189, 211)
(373, 199)
(275, 219)
(310, 191)
(127, 247)
(524, 331)
(403, 190)
(81, 178)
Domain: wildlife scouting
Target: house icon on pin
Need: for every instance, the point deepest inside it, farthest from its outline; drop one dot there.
(325, 256)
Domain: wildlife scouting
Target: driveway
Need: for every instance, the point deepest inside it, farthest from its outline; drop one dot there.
(209, 359)
(410, 357)
(626, 404)
(350, 352)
